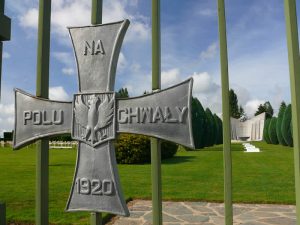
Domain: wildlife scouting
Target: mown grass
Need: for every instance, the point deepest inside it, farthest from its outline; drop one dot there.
(265, 177)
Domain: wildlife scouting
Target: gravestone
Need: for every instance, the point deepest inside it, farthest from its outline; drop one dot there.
(96, 116)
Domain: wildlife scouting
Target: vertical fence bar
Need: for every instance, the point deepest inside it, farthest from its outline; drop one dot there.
(1, 44)
(294, 64)
(226, 115)
(2, 213)
(1, 51)
(96, 18)
(42, 90)
(5, 32)
(155, 143)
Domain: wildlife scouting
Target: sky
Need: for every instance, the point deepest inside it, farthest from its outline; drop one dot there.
(257, 50)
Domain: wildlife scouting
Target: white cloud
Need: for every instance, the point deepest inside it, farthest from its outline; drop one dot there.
(67, 60)
(207, 12)
(63, 11)
(30, 18)
(6, 55)
(138, 31)
(122, 63)
(68, 71)
(138, 83)
(204, 83)
(170, 77)
(251, 106)
(210, 52)
(58, 93)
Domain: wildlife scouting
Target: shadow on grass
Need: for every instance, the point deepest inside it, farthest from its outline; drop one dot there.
(62, 164)
(219, 148)
(178, 159)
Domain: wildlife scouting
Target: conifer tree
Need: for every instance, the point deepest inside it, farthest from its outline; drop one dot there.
(286, 126)
(279, 124)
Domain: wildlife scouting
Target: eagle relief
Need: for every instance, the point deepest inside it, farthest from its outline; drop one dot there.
(93, 116)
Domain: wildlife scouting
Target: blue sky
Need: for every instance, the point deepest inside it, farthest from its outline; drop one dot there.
(258, 65)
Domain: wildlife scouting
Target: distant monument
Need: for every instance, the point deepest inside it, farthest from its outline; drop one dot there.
(248, 129)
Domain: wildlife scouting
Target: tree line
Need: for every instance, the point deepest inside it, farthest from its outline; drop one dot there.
(207, 127)
(278, 130)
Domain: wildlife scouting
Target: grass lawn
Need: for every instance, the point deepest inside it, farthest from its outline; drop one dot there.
(266, 177)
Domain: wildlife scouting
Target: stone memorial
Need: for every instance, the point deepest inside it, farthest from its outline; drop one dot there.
(96, 116)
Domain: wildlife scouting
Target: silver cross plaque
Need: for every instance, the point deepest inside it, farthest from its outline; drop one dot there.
(96, 116)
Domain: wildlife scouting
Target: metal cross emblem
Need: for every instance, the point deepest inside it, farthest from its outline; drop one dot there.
(95, 117)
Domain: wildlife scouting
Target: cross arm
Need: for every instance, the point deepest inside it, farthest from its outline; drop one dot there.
(165, 114)
(36, 118)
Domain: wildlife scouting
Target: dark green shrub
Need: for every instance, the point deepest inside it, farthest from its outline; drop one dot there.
(64, 137)
(135, 149)
(131, 149)
(210, 129)
(286, 127)
(279, 124)
(168, 149)
(266, 131)
(199, 123)
(216, 128)
(8, 136)
(272, 131)
(220, 132)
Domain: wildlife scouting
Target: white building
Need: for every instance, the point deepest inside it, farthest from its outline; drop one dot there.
(249, 130)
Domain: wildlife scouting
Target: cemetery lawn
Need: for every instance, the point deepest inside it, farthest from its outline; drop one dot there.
(266, 177)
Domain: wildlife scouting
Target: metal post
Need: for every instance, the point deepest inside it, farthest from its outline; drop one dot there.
(1, 52)
(5, 31)
(96, 218)
(155, 143)
(97, 6)
(1, 44)
(42, 90)
(2, 213)
(96, 18)
(294, 64)
(226, 115)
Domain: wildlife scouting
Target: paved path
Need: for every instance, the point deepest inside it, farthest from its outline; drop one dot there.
(188, 213)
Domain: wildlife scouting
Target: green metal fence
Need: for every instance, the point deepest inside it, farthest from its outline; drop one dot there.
(294, 64)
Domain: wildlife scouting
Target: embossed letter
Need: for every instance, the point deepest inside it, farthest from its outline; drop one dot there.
(146, 112)
(45, 122)
(59, 120)
(125, 111)
(181, 113)
(98, 48)
(87, 48)
(27, 116)
(93, 48)
(157, 115)
(168, 116)
(37, 117)
(132, 114)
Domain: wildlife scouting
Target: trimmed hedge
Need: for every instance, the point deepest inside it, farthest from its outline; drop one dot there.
(286, 127)
(266, 131)
(210, 129)
(132, 149)
(220, 136)
(219, 130)
(199, 123)
(279, 124)
(272, 131)
(135, 149)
